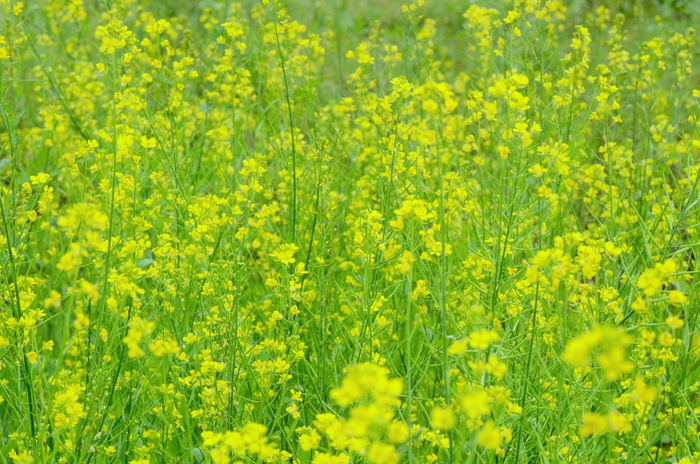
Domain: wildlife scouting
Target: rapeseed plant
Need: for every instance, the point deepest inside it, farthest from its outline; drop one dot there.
(285, 232)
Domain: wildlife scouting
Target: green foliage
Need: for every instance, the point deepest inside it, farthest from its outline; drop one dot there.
(349, 231)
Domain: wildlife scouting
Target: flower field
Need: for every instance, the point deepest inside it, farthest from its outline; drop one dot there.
(344, 232)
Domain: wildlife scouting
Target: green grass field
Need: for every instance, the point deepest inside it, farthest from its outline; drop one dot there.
(340, 232)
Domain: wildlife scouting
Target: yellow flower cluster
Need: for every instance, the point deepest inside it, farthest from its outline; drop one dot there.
(250, 441)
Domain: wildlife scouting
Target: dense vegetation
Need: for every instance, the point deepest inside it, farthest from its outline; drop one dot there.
(361, 232)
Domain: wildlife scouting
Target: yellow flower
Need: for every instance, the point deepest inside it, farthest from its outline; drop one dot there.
(309, 439)
(161, 347)
(674, 322)
(676, 298)
(71, 259)
(612, 358)
(643, 392)
(39, 179)
(364, 379)
(458, 347)
(653, 279)
(285, 253)
(24, 457)
(381, 453)
(326, 458)
(148, 142)
(482, 339)
(579, 349)
(397, 432)
(442, 418)
(489, 436)
(593, 424)
(495, 367)
(53, 300)
(430, 106)
(138, 329)
(476, 404)
(667, 339)
(614, 362)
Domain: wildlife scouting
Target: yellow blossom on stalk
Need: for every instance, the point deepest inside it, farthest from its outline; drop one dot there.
(138, 330)
(677, 298)
(643, 392)
(614, 362)
(593, 424)
(640, 305)
(72, 258)
(161, 347)
(458, 347)
(4, 54)
(23, 457)
(475, 404)
(114, 36)
(397, 432)
(430, 106)
(147, 142)
(442, 418)
(53, 300)
(379, 453)
(366, 379)
(674, 322)
(611, 357)
(482, 339)
(309, 439)
(489, 436)
(495, 367)
(285, 253)
(667, 339)
(67, 408)
(39, 179)
(598, 424)
(651, 280)
(250, 440)
(327, 458)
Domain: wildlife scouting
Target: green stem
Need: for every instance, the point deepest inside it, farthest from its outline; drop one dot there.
(523, 398)
(291, 125)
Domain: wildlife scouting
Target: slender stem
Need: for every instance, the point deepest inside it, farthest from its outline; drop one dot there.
(407, 349)
(291, 125)
(443, 293)
(523, 398)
